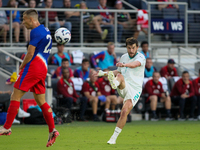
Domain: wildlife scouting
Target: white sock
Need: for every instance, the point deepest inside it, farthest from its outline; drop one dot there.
(116, 82)
(116, 132)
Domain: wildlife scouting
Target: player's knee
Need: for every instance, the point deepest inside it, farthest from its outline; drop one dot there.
(124, 112)
(154, 98)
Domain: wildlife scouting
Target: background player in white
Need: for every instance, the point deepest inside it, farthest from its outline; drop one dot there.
(128, 80)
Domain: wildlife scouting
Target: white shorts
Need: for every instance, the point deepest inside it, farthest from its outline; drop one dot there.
(129, 93)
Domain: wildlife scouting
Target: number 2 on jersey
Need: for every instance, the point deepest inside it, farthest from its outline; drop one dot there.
(46, 50)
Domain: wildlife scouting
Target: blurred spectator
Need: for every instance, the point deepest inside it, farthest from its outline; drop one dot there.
(91, 90)
(106, 58)
(65, 87)
(182, 94)
(62, 16)
(83, 71)
(94, 22)
(64, 64)
(169, 70)
(3, 23)
(161, 6)
(57, 58)
(149, 68)
(54, 23)
(106, 90)
(196, 84)
(26, 3)
(145, 49)
(154, 89)
(124, 18)
(108, 22)
(16, 19)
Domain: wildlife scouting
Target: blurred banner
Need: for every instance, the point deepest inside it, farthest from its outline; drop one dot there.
(167, 26)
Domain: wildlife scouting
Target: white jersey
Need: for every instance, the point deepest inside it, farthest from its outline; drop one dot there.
(133, 76)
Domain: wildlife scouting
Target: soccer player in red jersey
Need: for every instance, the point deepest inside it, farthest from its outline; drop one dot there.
(32, 74)
(182, 94)
(154, 89)
(196, 84)
(169, 70)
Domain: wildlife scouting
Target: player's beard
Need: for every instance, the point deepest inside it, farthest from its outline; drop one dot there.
(131, 55)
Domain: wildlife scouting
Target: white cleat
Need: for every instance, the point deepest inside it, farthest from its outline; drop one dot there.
(112, 141)
(23, 114)
(111, 77)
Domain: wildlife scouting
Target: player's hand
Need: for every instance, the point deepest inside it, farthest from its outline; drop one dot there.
(119, 64)
(184, 96)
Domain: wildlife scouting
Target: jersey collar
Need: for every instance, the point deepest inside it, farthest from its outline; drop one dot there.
(133, 56)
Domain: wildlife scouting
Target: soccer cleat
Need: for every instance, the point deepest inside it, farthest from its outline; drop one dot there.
(52, 137)
(181, 119)
(169, 119)
(112, 141)
(111, 78)
(4, 131)
(16, 121)
(104, 34)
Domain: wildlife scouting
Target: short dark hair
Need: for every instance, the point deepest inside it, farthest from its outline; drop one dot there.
(131, 41)
(156, 72)
(184, 72)
(85, 60)
(144, 42)
(65, 59)
(64, 69)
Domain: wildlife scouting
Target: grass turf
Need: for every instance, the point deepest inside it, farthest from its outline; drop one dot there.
(137, 135)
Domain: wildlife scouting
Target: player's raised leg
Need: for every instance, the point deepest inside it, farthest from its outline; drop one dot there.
(12, 111)
(48, 116)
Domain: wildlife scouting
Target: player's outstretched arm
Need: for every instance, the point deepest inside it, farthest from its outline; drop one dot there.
(133, 64)
(28, 56)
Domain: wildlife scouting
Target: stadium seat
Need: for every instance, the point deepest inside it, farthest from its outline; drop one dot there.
(195, 4)
(57, 3)
(136, 3)
(156, 14)
(144, 5)
(54, 86)
(6, 60)
(197, 18)
(158, 65)
(194, 32)
(191, 18)
(170, 13)
(92, 4)
(52, 69)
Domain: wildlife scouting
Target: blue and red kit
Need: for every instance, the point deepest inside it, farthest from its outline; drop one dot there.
(32, 76)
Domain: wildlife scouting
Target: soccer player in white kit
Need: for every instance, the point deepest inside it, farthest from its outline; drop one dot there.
(128, 80)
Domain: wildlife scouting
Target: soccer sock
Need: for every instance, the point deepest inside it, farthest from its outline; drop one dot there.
(154, 113)
(48, 116)
(116, 82)
(116, 132)
(168, 112)
(11, 113)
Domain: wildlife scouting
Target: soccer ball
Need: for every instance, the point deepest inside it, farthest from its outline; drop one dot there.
(62, 36)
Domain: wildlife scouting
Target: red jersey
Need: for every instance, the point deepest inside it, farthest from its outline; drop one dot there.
(51, 15)
(180, 88)
(152, 88)
(170, 73)
(104, 14)
(196, 85)
(87, 88)
(105, 87)
(65, 90)
(58, 72)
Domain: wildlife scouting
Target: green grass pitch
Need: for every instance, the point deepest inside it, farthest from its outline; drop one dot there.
(137, 135)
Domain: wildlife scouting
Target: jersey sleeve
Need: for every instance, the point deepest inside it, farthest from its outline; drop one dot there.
(141, 59)
(35, 38)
